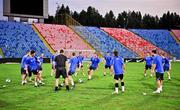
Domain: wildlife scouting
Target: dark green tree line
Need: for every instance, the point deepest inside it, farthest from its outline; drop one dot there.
(130, 19)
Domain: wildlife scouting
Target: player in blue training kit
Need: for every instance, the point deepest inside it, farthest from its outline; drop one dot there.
(148, 59)
(40, 60)
(80, 64)
(158, 68)
(72, 69)
(167, 66)
(32, 63)
(94, 64)
(119, 67)
(53, 63)
(108, 63)
(23, 68)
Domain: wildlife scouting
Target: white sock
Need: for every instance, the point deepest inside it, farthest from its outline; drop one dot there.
(169, 77)
(89, 77)
(40, 81)
(123, 88)
(116, 89)
(158, 89)
(161, 88)
(25, 81)
(35, 83)
(72, 82)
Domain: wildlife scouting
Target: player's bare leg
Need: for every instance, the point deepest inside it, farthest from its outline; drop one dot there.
(169, 75)
(23, 77)
(111, 70)
(76, 73)
(145, 72)
(56, 84)
(40, 78)
(90, 72)
(72, 81)
(35, 80)
(40, 75)
(161, 85)
(105, 71)
(67, 84)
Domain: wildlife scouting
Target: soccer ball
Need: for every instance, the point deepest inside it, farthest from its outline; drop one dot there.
(8, 80)
(80, 80)
(144, 93)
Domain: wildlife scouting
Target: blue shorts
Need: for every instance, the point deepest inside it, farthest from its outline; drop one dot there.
(166, 68)
(40, 68)
(70, 73)
(35, 72)
(23, 71)
(148, 67)
(92, 68)
(118, 76)
(159, 76)
(107, 67)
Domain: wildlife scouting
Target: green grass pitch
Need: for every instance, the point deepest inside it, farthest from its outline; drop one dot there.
(90, 95)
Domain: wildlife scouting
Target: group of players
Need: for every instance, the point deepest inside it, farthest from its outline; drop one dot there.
(31, 64)
(158, 63)
(62, 66)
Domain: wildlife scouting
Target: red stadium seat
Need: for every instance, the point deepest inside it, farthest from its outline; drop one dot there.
(177, 34)
(61, 36)
(132, 41)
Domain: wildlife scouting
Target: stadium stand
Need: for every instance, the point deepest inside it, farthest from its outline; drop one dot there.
(61, 36)
(108, 44)
(86, 35)
(177, 34)
(132, 41)
(160, 38)
(16, 38)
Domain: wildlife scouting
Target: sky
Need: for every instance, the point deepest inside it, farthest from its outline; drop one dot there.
(153, 7)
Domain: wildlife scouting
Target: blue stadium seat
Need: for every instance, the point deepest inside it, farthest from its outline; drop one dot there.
(160, 38)
(16, 38)
(106, 43)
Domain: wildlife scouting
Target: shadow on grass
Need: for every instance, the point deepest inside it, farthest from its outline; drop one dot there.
(99, 88)
(4, 104)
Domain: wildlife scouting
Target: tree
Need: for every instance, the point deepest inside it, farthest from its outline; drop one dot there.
(130, 19)
(110, 20)
(50, 19)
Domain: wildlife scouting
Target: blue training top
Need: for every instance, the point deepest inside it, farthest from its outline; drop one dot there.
(118, 65)
(148, 60)
(108, 60)
(73, 64)
(32, 63)
(23, 61)
(41, 60)
(158, 61)
(95, 61)
(80, 59)
(166, 62)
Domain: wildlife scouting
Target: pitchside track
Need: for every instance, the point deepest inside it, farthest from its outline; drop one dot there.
(90, 95)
